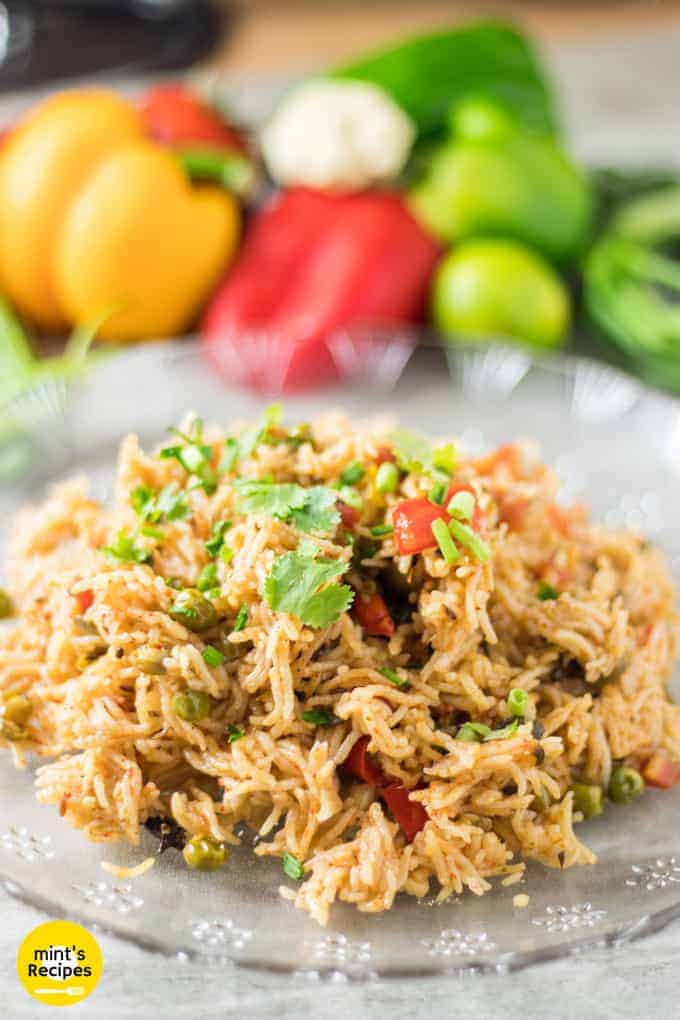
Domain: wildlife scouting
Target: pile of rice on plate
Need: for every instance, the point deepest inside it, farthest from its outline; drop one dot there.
(394, 663)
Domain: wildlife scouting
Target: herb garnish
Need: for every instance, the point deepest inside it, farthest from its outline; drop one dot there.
(303, 586)
(292, 867)
(310, 509)
(124, 548)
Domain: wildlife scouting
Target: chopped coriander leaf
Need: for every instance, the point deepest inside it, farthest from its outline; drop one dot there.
(124, 548)
(212, 656)
(466, 536)
(141, 498)
(393, 677)
(517, 701)
(241, 618)
(235, 733)
(319, 717)
(379, 530)
(213, 593)
(353, 473)
(277, 500)
(437, 493)
(462, 506)
(208, 577)
(310, 509)
(387, 477)
(351, 497)
(195, 457)
(301, 585)
(292, 867)
(216, 540)
(445, 458)
(546, 592)
(149, 531)
(444, 540)
(229, 456)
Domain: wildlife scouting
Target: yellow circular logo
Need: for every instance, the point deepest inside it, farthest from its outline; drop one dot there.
(59, 963)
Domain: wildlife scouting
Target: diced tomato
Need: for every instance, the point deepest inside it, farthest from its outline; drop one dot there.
(348, 514)
(513, 511)
(413, 520)
(384, 454)
(508, 456)
(362, 766)
(373, 615)
(410, 815)
(175, 116)
(661, 771)
(84, 599)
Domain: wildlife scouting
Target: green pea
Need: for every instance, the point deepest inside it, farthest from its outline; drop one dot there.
(588, 799)
(625, 784)
(203, 853)
(6, 605)
(193, 610)
(151, 664)
(190, 705)
(16, 712)
(387, 477)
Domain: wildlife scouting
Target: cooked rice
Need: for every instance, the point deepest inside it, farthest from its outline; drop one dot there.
(594, 661)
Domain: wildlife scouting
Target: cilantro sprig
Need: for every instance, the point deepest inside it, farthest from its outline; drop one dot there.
(305, 587)
(310, 509)
(414, 453)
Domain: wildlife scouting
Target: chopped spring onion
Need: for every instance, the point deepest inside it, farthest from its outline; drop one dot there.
(473, 732)
(387, 477)
(229, 456)
(517, 701)
(226, 554)
(445, 458)
(393, 677)
(546, 592)
(466, 536)
(292, 867)
(241, 618)
(444, 540)
(207, 578)
(353, 473)
(382, 529)
(149, 531)
(437, 493)
(462, 506)
(216, 540)
(235, 733)
(212, 656)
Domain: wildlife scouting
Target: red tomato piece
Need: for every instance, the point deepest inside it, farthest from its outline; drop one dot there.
(84, 599)
(384, 454)
(175, 116)
(373, 615)
(513, 511)
(410, 815)
(661, 771)
(413, 520)
(362, 766)
(349, 515)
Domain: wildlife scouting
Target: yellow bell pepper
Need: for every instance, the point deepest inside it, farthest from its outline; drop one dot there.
(93, 217)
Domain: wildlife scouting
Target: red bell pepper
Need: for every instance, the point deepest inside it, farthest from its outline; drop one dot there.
(410, 815)
(362, 766)
(314, 268)
(413, 520)
(661, 771)
(175, 116)
(84, 599)
(373, 615)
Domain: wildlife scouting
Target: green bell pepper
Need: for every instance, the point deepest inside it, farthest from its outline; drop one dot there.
(494, 177)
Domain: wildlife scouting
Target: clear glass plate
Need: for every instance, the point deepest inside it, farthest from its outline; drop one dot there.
(615, 443)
